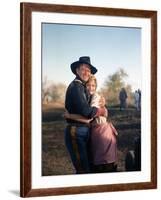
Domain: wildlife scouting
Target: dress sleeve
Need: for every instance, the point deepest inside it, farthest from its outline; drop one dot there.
(95, 100)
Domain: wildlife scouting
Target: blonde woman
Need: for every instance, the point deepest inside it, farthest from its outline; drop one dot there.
(103, 143)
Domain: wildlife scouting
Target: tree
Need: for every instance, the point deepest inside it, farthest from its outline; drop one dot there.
(45, 90)
(129, 94)
(53, 91)
(57, 92)
(113, 85)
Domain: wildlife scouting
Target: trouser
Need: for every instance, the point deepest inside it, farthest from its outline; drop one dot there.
(111, 167)
(122, 104)
(76, 140)
(137, 105)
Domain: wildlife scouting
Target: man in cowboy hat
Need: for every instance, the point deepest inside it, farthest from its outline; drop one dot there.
(77, 102)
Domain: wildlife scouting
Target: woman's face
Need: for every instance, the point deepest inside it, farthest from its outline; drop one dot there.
(91, 87)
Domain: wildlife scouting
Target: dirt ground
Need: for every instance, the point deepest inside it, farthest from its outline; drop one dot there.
(55, 158)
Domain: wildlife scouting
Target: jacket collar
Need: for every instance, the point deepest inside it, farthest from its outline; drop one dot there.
(78, 79)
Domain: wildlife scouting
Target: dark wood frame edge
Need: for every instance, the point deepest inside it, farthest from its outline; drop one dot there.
(26, 10)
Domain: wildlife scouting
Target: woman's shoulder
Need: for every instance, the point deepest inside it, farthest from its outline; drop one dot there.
(95, 95)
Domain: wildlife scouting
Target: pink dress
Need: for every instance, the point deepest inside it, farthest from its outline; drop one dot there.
(103, 141)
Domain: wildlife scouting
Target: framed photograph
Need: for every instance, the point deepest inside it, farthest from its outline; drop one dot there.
(62, 46)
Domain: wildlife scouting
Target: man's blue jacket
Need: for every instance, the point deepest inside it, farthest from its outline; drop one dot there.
(77, 100)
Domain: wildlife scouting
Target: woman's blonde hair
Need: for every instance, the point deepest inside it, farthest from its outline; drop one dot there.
(92, 78)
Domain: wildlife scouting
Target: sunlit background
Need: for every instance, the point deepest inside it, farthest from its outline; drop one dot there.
(113, 51)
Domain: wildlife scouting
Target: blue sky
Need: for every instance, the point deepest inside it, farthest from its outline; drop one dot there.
(109, 48)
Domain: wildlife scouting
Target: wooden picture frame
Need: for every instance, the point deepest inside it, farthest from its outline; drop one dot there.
(26, 189)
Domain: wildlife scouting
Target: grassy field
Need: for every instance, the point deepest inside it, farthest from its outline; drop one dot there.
(55, 158)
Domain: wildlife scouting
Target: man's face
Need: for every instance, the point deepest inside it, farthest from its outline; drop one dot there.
(84, 72)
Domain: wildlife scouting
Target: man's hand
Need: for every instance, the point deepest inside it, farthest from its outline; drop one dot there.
(66, 114)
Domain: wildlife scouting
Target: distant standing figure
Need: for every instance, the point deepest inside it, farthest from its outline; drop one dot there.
(136, 98)
(139, 92)
(122, 98)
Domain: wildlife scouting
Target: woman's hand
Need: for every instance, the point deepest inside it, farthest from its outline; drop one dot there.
(102, 102)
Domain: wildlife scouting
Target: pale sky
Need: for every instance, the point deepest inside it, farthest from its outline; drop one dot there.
(109, 48)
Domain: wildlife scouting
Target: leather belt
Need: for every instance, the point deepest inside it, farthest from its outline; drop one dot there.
(79, 125)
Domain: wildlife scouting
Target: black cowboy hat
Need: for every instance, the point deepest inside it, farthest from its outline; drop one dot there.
(83, 60)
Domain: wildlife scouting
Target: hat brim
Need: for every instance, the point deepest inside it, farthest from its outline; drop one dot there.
(77, 63)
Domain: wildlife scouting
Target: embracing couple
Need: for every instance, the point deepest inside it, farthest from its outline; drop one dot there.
(89, 138)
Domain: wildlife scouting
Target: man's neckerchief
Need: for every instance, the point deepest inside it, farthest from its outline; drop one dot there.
(77, 79)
